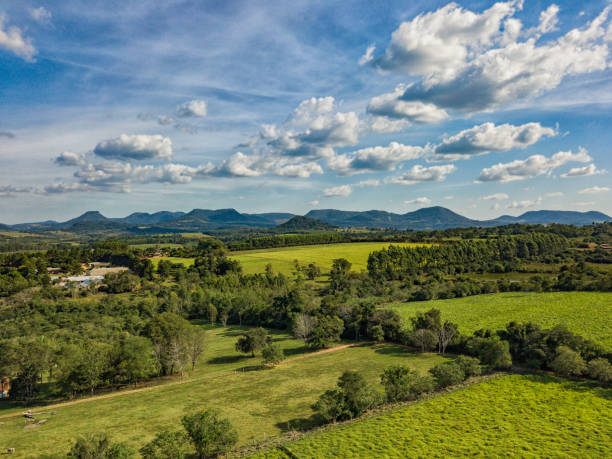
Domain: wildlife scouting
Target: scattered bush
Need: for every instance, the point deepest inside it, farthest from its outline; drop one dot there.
(469, 365)
(272, 354)
(167, 445)
(210, 435)
(601, 370)
(447, 374)
(568, 362)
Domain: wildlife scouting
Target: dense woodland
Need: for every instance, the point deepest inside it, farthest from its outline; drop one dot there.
(62, 341)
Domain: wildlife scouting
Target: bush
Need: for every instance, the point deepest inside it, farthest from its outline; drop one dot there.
(99, 446)
(210, 435)
(469, 365)
(353, 397)
(331, 406)
(252, 341)
(377, 333)
(568, 362)
(601, 370)
(424, 339)
(447, 374)
(491, 351)
(326, 332)
(167, 445)
(402, 383)
(272, 354)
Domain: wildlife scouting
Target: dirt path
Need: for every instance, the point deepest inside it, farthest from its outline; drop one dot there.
(52, 407)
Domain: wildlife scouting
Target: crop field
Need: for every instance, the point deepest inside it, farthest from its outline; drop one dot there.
(323, 255)
(510, 416)
(588, 314)
(259, 402)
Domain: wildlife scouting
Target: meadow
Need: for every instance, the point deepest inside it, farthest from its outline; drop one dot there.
(588, 314)
(259, 402)
(509, 416)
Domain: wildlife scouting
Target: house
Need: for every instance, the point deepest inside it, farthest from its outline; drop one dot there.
(5, 387)
(84, 281)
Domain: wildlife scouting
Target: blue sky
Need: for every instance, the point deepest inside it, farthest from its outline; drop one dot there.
(486, 108)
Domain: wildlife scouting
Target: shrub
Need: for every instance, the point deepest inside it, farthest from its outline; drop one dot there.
(352, 398)
(447, 374)
(167, 445)
(99, 446)
(326, 332)
(402, 383)
(331, 406)
(491, 351)
(210, 435)
(601, 370)
(272, 354)
(377, 333)
(252, 341)
(469, 365)
(424, 339)
(568, 362)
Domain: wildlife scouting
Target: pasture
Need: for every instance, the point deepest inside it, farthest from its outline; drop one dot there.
(588, 314)
(259, 402)
(509, 416)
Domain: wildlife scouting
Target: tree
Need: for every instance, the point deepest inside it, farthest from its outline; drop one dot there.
(377, 333)
(195, 343)
(25, 360)
(429, 320)
(491, 351)
(424, 339)
(272, 354)
(339, 275)
(447, 374)
(446, 333)
(99, 446)
(351, 399)
(311, 271)
(133, 359)
(167, 332)
(397, 381)
(326, 331)
(601, 370)
(209, 434)
(303, 325)
(167, 445)
(252, 341)
(331, 406)
(568, 362)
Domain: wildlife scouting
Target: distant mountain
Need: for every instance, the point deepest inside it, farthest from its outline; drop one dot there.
(544, 217)
(299, 223)
(428, 218)
(422, 219)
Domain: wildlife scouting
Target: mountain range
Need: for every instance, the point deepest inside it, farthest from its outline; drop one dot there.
(207, 220)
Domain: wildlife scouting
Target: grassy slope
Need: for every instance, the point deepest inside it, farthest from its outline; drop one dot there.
(259, 403)
(254, 261)
(586, 313)
(511, 416)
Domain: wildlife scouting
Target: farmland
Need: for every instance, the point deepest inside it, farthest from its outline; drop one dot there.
(586, 313)
(258, 403)
(510, 416)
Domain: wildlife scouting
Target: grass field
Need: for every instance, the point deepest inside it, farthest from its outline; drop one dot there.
(281, 259)
(510, 416)
(258, 403)
(588, 314)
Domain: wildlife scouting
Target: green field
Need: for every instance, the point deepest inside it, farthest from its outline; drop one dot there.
(259, 403)
(510, 416)
(281, 259)
(588, 314)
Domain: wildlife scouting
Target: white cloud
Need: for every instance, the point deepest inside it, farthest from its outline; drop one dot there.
(69, 158)
(487, 137)
(368, 56)
(594, 190)
(531, 167)
(467, 64)
(370, 182)
(449, 198)
(136, 147)
(554, 194)
(524, 204)
(8, 191)
(314, 203)
(193, 108)
(374, 159)
(496, 197)
(585, 171)
(338, 191)
(40, 15)
(585, 204)
(419, 201)
(382, 124)
(419, 173)
(548, 20)
(11, 39)
(390, 105)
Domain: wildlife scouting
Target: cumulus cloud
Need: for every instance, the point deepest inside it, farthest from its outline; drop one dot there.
(585, 204)
(554, 194)
(374, 159)
(382, 124)
(495, 197)
(370, 182)
(193, 108)
(594, 190)
(12, 40)
(531, 167)
(69, 158)
(585, 171)
(524, 204)
(135, 147)
(314, 203)
(467, 63)
(338, 191)
(420, 173)
(419, 201)
(40, 15)
(488, 137)
(8, 191)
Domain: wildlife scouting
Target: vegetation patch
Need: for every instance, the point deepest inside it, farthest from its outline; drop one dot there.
(511, 416)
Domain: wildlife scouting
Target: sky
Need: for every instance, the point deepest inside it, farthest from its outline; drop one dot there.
(264, 105)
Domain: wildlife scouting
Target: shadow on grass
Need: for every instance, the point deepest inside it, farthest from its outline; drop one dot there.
(227, 359)
(390, 349)
(577, 385)
(252, 368)
(300, 424)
